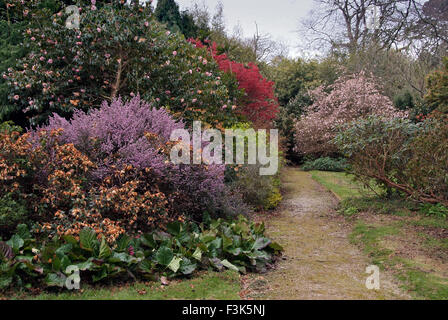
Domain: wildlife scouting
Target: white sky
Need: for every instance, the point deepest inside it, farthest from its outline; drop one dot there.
(280, 18)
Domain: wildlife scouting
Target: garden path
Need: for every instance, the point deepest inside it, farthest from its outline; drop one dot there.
(319, 261)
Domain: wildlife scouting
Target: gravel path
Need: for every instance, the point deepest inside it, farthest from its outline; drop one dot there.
(319, 262)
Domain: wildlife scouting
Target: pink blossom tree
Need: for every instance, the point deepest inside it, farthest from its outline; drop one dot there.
(348, 99)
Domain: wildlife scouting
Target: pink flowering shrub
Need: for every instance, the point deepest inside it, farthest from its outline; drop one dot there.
(135, 134)
(348, 99)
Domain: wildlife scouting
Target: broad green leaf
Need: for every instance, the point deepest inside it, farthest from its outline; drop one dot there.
(187, 267)
(148, 240)
(261, 243)
(146, 266)
(226, 242)
(23, 232)
(88, 239)
(119, 257)
(174, 228)
(16, 243)
(63, 250)
(101, 274)
(55, 280)
(105, 251)
(164, 256)
(228, 265)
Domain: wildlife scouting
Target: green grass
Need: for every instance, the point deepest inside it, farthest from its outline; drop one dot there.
(373, 237)
(209, 286)
(431, 222)
(341, 184)
(369, 237)
(422, 284)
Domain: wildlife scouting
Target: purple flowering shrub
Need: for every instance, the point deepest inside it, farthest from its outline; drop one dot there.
(134, 133)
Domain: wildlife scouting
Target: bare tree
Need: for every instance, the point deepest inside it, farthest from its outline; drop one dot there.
(264, 47)
(343, 24)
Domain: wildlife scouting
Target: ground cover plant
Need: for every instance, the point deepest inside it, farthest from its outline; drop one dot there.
(180, 251)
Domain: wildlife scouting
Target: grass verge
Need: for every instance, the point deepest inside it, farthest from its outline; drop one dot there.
(208, 285)
(396, 237)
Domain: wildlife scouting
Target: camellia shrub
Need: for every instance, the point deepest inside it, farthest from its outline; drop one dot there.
(349, 98)
(259, 104)
(118, 50)
(399, 155)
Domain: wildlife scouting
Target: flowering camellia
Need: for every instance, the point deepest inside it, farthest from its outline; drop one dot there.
(350, 98)
(117, 51)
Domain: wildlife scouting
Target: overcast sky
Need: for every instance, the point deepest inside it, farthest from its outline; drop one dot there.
(280, 18)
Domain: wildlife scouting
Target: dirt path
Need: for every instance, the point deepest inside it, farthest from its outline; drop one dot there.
(319, 261)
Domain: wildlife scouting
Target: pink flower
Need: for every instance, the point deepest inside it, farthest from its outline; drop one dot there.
(41, 58)
(107, 55)
(146, 23)
(174, 53)
(233, 107)
(33, 39)
(204, 61)
(168, 33)
(190, 71)
(50, 61)
(93, 8)
(224, 106)
(16, 97)
(98, 29)
(194, 100)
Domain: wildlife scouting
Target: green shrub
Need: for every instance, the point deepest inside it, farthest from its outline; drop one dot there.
(118, 51)
(12, 213)
(185, 247)
(399, 155)
(326, 164)
(260, 192)
(437, 210)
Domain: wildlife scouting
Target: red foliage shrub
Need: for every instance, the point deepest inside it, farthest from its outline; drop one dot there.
(260, 105)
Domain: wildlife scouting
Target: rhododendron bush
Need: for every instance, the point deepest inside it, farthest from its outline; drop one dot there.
(118, 50)
(348, 99)
(399, 155)
(259, 104)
